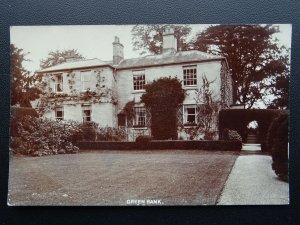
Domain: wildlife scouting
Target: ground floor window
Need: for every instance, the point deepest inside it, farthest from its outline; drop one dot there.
(140, 117)
(59, 113)
(86, 113)
(189, 114)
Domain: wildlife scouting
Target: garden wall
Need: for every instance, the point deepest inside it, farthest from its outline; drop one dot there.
(159, 145)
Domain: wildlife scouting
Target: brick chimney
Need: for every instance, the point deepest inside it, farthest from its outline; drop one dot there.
(118, 52)
(169, 41)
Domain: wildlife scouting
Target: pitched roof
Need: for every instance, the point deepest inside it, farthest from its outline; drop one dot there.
(144, 61)
(76, 65)
(168, 58)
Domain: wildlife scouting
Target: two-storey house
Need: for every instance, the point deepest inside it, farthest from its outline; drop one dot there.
(95, 90)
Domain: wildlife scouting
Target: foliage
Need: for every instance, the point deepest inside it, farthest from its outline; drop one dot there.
(143, 139)
(87, 131)
(280, 88)
(251, 54)
(148, 38)
(162, 97)
(110, 134)
(38, 136)
(129, 110)
(232, 135)
(23, 88)
(207, 108)
(277, 142)
(238, 119)
(17, 115)
(58, 57)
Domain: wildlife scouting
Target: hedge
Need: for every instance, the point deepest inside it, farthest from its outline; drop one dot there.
(277, 142)
(238, 119)
(159, 145)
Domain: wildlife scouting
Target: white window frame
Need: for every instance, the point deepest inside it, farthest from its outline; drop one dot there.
(58, 82)
(190, 75)
(138, 80)
(85, 79)
(59, 109)
(85, 116)
(140, 119)
(186, 114)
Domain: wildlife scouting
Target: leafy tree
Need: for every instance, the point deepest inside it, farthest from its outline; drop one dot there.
(23, 89)
(58, 57)
(251, 53)
(162, 97)
(149, 38)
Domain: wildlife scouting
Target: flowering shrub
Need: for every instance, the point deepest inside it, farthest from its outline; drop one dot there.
(38, 136)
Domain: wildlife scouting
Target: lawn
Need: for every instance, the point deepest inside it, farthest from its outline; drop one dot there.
(173, 177)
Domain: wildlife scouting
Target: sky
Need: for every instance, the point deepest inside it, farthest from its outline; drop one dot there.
(92, 41)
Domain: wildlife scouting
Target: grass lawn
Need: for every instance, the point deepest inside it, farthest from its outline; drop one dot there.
(175, 177)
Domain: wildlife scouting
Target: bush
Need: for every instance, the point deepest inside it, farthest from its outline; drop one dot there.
(143, 139)
(277, 143)
(87, 132)
(110, 134)
(232, 135)
(17, 115)
(44, 137)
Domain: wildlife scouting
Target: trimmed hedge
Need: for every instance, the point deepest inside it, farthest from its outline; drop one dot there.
(159, 145)
(277, 142)
(238, 119)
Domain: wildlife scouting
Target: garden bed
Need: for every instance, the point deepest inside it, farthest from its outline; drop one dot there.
(160, 145)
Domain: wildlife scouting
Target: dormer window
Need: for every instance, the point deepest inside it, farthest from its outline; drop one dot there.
(58, 79)
(138, 80)
(190, 75)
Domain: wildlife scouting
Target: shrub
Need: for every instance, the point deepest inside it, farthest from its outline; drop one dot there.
(277, 143)
(232, 135)
(87, 131)
(110, 134)
(17, 115)
(44, 137)
(143, 139)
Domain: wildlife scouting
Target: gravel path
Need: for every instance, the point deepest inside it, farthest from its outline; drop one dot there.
(253, 182)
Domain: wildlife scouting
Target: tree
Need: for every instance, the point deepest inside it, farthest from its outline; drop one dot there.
(59, 57)
(251, 53)
(149, 38)
(162, 97)
(23, 89)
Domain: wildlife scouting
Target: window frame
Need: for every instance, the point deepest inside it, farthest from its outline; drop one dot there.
(190, 79)
(138, 85)
(57, 82)
(86, 107)
(186, 115)
(62, 110)
(84, 82)
(139, 121)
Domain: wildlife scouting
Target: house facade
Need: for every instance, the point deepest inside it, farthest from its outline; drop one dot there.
(96, 90)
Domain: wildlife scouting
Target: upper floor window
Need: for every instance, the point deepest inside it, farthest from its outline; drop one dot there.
(59, 113)
(85, 77)
(86, 113)
(139, 80)
(189, 114)
(140, 117)
(58, 83)
(190, 75)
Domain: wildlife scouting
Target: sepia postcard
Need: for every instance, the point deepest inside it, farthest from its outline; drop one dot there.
(149, 115)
